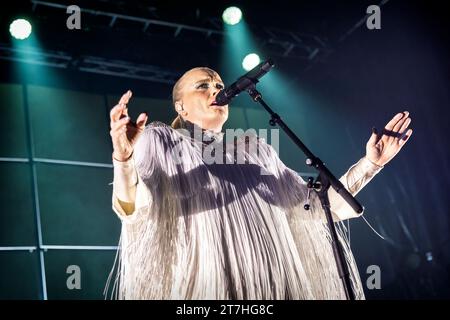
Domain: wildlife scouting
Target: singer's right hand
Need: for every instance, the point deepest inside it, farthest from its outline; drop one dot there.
(124, 133)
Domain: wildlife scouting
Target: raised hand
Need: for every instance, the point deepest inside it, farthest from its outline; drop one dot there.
(383, 146)
(124, 133)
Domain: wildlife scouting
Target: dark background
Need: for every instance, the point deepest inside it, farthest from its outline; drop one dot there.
(55, 151)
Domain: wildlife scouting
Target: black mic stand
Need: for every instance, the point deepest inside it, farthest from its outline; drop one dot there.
(321, 186)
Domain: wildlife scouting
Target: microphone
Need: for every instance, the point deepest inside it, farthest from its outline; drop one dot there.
(243, 83)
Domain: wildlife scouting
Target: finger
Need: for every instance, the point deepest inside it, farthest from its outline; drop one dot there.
(141, 120)
(390, 125)
(405, 125)
(116, 112)
(120, 123)
(125, 97)
(373, 138)
(400, 123)
(123, 103)
(406, 137)
(125, 111)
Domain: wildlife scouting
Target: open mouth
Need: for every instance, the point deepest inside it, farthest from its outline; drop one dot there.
(215, 105)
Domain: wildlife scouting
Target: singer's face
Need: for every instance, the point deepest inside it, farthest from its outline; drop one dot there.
(198, 91)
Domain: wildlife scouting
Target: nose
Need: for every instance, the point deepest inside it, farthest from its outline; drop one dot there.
(215, 91)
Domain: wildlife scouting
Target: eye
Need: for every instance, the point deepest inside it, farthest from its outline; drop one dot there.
(219, 86)
(203, 85)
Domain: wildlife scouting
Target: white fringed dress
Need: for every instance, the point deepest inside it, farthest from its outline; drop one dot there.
(226, 231)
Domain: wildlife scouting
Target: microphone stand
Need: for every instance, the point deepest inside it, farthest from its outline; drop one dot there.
(323, 182)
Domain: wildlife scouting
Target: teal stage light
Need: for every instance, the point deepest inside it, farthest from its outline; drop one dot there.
(250, 61)
(232, 15)
(20, 29)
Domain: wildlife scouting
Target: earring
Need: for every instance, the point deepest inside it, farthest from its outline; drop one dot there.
(181, 110)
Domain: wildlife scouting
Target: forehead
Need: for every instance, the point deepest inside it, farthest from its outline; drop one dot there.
(199, 74)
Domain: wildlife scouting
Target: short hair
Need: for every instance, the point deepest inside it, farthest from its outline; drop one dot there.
(176, 91)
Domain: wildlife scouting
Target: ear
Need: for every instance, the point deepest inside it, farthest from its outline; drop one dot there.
(178, 106)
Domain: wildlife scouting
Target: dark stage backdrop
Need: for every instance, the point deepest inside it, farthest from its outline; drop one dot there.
(55, 152)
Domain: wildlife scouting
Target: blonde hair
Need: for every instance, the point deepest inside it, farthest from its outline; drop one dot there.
(176, 123)
(177, 89)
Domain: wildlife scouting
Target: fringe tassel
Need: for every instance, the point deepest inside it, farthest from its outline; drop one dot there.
(223, 231)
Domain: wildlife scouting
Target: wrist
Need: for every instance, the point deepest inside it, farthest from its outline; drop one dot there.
(121, 158)
(376, 163)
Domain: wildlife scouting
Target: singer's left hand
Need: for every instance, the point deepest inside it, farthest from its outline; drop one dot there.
(383, 146)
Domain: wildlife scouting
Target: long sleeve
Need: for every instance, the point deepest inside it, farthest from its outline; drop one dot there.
(356, 177)
(133, 177)
(124, 186)
(353, 180)
(130, 195)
